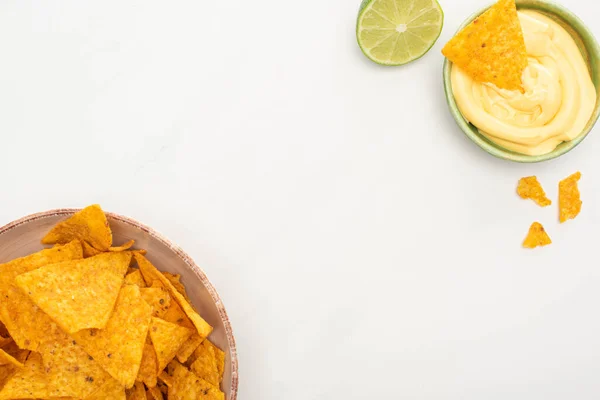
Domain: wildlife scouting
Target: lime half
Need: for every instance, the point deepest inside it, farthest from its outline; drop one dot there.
(396, 32)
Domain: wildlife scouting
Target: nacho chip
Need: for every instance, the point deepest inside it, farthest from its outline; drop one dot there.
(205, 365)
(187, 386)
(110, 390)
(175, 315)
(166, 378)
(537, 236)
(154, 393)
(119, 346)
(569, 200)
(175, 281)
(137, 392)
(135, 278)
(6, 358)
(89, 224)
(162, 387)
(89, 250)
(148, 372)
(167, 338)
(6, 372)
(3, 330)
(25, 322)
(186, 349)
(491, 48)
(158, 298)
(72, 375)
(77, 294)
(125, 246)
(150, 273)
(15, 352)
(530, 188)
(4, 341)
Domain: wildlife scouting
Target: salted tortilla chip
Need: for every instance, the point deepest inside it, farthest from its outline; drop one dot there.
(167, 338)
(166, 378)
(135, 278)
(125, 246)
(112, 390)
(187, 349)
(89, 250)
(530, 188)
(150, 273)
(71, 374)
(154, 393)
(6, 372)
(176, 315)
(4, 341)
(491, 48)
(205, 365)
(537, 236)
(175, 281)
(119, 346)
(148, 372)
(137, 392)
(19, 355)
(6, 358)
(77, 294)
(569, 199)
(158, 298)
(3, 330)
(25, 322)
(89, 224)
(187, 386)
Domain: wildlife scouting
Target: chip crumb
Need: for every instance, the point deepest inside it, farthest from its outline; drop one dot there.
(537, 236)
(530, 188)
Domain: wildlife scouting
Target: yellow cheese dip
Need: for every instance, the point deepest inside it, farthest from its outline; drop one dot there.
(559, 96)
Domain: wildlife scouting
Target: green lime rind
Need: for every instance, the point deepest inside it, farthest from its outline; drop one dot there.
(386, 19)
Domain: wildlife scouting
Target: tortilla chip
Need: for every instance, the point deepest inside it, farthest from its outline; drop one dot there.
(569, 200)
(25, 322)
(6, 372)
(110, 390)
(491, 48)
(162, 387)
(149, 367)
(137, 392)
(158, 298)
(77, 294)
(166, 378)
(537, 236)
(71, 374)
(186, 349)
(167, 338)
(125, 246)
(3, 330)
(119, 346)
(19, 355)
(88, 250)
(175, 281)
(150, 273)
(135, 278)
(187, 386)
(6, 358)
(89, 224)
(175, 315)
(530, 188)
(154, 393)
(206, 366)
(4, 341)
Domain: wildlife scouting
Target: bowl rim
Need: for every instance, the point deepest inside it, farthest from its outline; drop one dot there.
(495, 150)
(178, 251)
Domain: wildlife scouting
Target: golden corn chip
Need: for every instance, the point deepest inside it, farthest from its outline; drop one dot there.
(125, 246)
(89, 224)
(154, 393)
(167, 338)
(158, 298)
(569, 200)
(135, 278)
(187, 386)
(89, 250)
(186, 349)
(166, 378)
(491, 48)
(118, 348)
(175, 315)
(175, 281)
(162, 387)
(4, 341)
(24, 321)
(530, 188)
(220, 357)
(537, 236)
(112, 390)
(6, 358)
(205, 365)
(77, 294)
(71, 375)
(137, 392)
(19, 355)
(148, 372)
(6, 372)
(3, 330)
(150, 273)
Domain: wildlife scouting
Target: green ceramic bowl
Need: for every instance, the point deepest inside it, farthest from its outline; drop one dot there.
(589, 49)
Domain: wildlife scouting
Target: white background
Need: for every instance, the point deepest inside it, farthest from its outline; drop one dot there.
(363, 246)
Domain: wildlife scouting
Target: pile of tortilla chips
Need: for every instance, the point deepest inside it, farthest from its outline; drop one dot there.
(86, 320)
(491, 48)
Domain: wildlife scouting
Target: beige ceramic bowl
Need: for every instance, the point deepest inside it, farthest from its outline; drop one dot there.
(23, 236)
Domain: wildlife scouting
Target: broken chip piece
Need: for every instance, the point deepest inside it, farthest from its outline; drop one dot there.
(530, 188)
(569, 199)
(537, 236)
